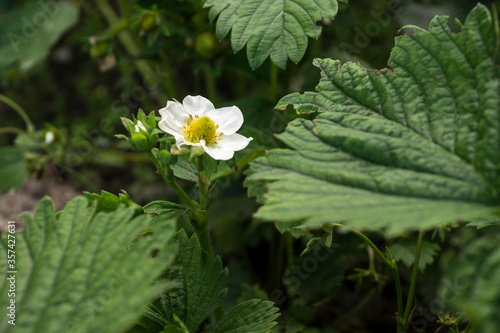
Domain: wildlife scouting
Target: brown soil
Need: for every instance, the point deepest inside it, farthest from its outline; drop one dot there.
(13, 203)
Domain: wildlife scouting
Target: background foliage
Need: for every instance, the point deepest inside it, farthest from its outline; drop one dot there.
(389, 151)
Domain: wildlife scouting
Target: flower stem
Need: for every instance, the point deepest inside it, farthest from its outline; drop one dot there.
(171, 182)
(411, 292)
(20, 111)
(200, 225)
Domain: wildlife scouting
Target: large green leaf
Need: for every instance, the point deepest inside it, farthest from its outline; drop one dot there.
(252, 316)
(409, 147)
(200, 285)
(78, 271)
(28, 33)
(278, 28)
(470, 283)
(12, 168)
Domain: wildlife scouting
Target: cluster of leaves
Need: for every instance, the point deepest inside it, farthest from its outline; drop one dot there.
(391, 151)
(91, 266)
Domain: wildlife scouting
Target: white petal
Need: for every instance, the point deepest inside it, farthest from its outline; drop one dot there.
(140, 126)
(49, 137)
(197, 105)
(229, 119)
(226, 146)
(173, 117)
(170, 125)
(187, 143)
(176, 110)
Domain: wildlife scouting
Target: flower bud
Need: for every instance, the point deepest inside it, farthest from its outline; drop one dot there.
(150, 21)
(139, 142)
(206, 45)
(165, 157)
(128, 124)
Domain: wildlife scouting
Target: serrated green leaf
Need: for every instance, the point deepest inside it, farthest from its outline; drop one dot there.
(275, 28)
(470, 283)
(12, 168)
(164, 210)
(28, 33)
(405, 251)
(485, 221)
(185, 170)
(108, 202)
(200, 284)
(252, 316)
(412, 147)
(79, 272)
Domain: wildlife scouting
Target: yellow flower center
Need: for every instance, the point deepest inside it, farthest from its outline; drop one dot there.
(203, 128)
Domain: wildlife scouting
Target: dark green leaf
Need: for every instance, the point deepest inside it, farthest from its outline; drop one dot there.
(278, 29)
(405, 251)
(411, 147)
(200, 284)
(28, 33)
(252, 316)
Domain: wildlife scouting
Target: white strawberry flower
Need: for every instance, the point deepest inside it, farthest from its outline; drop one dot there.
(196, 122)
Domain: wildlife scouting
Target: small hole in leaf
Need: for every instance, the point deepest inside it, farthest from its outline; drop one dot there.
(153, 253)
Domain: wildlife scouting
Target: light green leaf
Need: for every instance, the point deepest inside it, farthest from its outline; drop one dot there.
(164, 210)
(252, 316)
(28, 33)
(276, 28)
(185, 170)
(12, 168)
(470, 283)
(78, 271)
(411, 147)
(200, 285)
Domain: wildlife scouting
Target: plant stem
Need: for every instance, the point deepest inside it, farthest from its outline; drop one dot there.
(20, 111)
(274, 82)
(202, 186)
(392, 265)
(367, 241)
(399, 295)
(411, 292)
(13, 130)
(210, 83)
(171, 182)
(136, 50)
